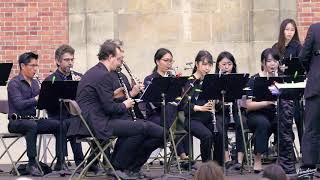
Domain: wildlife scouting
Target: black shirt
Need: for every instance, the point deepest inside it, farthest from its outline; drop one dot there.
(269, 110)
(21, 96)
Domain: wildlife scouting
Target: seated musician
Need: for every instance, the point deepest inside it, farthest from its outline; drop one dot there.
(107, 117)
(163, 60)
(23, 93)
(64, 58)
(202, 122)
(226, 64)
(262, 118)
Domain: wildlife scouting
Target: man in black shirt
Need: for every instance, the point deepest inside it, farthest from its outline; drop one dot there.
(64, 58)
(96, 98)
(23, 93)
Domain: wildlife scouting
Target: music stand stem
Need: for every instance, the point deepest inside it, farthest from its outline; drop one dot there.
(223, 92)
(163, 106)
(189, 134)
(278, 128)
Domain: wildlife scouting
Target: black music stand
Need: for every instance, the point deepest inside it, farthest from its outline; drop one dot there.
(293, 66)
(5, 69)
(164, 90)
(224, 87)
(51, 96)
(262, 93)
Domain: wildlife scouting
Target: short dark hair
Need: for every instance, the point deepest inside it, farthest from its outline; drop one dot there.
(106, 49)
(26, 57)
(63, 49)
(269, 51)
(228, 55)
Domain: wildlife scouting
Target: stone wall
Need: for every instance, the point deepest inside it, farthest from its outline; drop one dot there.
(243, 27)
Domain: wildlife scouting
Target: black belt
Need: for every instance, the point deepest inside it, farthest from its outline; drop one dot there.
(317, 52)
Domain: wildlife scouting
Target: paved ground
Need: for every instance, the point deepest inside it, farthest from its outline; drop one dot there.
(154, 171)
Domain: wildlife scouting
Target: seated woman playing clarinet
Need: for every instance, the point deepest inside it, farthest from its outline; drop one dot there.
(203, 124)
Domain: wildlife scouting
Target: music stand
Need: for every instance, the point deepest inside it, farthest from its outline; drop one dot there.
(164, 90)
(5, 69)
(293, 66)
(225, 87)
(51, 96)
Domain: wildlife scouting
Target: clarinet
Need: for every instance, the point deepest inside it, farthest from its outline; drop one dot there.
(231, 112)
(126, 92)
(15, 116)
(134, 79)
(214, 118)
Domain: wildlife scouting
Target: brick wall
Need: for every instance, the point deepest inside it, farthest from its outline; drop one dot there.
(32, 25)
(308, 12)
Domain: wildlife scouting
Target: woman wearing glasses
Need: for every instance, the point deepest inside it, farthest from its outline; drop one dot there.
(163, 60)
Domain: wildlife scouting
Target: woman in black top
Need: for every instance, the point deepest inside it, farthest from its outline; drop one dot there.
(163, 60)
(201, 110)
(262, 118)
(261, 115)
(227, 64)
(289, 45)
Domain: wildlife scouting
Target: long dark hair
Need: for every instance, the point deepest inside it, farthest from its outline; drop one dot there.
(158, 55)
(282, 39)
(228, 55)
(265, 53)
(201, 56)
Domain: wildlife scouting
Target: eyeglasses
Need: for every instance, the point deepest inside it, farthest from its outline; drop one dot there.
(68, 59)
(168, 60)
(32, 65)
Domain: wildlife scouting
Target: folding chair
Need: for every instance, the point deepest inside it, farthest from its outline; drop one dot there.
(75, 110)
(4, 109)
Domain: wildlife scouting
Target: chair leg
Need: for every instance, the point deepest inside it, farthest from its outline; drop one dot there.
(174, 149)
(9, 146)
(11, 160)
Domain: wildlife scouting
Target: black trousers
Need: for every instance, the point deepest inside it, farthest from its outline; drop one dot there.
(30, 128)
(311, 137)
(237, 126)
(137, 140)
(262, 125)
(287, 158)
(204, 131)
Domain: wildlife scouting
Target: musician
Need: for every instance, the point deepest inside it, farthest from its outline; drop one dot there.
(226, 64)
(23, 93)
(95, 96)
(310, 58)
(289, 45)
(163, 60)
(64, 58)
(201, 110)
(262, 118)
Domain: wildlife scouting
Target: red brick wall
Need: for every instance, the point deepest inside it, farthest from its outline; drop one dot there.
(32, 25)
(308, 12)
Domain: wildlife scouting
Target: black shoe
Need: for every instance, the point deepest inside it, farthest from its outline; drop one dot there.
(59, 167)
(96, 170)
(33, 170)
(126, 175)
(306, 173)
(237, 166)
(1, 170)
(228, 164)
(257, 171)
